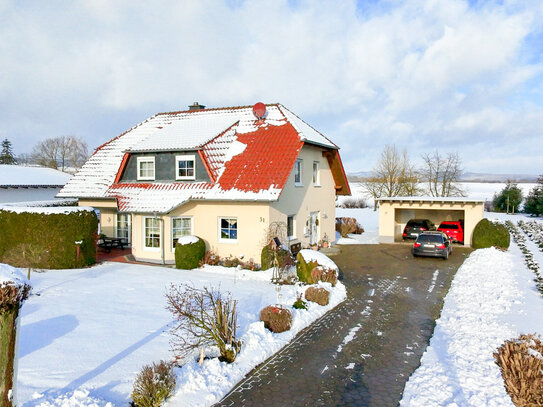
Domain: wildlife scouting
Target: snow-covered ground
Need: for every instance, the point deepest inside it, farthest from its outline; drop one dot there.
(86, 333)
(492, 299)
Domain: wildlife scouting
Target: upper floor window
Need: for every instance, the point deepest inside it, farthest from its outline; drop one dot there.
(185, 167)
(298, 172)
(146, 168)
(316, 173)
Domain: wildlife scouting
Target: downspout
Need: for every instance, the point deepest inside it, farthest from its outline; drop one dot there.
(161, 220)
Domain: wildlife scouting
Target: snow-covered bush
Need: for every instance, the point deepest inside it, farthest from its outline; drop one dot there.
(521, 364)
(320, 295)
(277, 319)
(189, 252)
(14, 289)
(348, 225)
(205, 317)
(490, 234)
(324, 274)
(153, 385)
(531, 263)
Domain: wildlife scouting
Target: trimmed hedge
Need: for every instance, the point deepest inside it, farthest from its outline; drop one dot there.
(189, 256)
(488, 234)
(51, 238)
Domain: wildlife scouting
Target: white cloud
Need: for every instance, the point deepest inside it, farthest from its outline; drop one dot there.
(409, 72)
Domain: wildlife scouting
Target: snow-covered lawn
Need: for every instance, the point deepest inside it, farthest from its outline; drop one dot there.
(86, 333)
(493, 298)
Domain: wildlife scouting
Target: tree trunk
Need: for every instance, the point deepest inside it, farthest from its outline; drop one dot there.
(7, 355)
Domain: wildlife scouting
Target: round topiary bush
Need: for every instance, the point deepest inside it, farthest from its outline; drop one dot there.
(189, 252)
(276, 319)
(488, 234)
(319, 295)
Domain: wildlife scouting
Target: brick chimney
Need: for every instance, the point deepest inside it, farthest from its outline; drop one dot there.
(196, 106)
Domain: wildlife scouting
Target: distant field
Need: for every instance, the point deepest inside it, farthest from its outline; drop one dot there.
(474, 190)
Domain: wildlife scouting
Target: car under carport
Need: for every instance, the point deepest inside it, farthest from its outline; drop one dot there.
(395, 212)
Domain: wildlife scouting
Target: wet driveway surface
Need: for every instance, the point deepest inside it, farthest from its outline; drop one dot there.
(362, 352)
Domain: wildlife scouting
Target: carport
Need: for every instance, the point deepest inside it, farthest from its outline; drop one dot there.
(395, 212)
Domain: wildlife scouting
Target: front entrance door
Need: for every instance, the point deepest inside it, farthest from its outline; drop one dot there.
(313, 227)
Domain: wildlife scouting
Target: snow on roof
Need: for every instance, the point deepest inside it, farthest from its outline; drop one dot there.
(184, 132)
(19, 175)
(247, 159)
(431, 199)
(320, 258)
(11, 276)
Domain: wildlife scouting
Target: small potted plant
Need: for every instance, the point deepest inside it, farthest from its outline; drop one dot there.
(325, 242)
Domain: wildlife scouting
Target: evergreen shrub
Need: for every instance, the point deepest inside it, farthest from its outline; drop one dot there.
(189, 256)
(487, 234)
(266, 258)
(304, 269)
(54, 234)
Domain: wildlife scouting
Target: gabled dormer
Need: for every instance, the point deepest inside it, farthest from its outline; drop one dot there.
(163, 166)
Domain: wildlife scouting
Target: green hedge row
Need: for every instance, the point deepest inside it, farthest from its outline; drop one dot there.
(487, 234)
(47, 240)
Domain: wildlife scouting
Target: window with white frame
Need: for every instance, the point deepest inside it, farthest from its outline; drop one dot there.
(298, 172)
(146, 168)
(228, 229)
(122, 226)
(151, 231)
(181, 226)
(316, 173)
(290, 226)
(185, 167)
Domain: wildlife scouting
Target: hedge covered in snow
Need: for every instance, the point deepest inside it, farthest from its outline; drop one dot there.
(46, 237)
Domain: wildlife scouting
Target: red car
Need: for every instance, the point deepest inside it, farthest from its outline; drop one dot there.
(453, 229)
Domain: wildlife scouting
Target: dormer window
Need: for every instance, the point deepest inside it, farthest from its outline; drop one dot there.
(146, 168)
(185, 167)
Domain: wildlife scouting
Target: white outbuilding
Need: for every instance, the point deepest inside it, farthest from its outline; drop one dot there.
(395, 212)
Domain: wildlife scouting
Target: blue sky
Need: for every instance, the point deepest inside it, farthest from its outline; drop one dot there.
(459, 76)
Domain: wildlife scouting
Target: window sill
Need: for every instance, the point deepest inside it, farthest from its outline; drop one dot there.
(145, 179)
(298, 185)
(228, 241)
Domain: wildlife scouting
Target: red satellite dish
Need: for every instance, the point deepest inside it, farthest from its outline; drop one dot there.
(259, 110)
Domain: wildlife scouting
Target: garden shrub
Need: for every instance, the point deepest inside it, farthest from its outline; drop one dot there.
(348, 225)
(353, 203)
(276, 319)
(189, 256)
(304, 269)
(153, 385)
(521, 365)
(299, 303)
(319, 295)
(266, 258)
(324, 274)
(51, 236)
(488, 234)
(204, 317)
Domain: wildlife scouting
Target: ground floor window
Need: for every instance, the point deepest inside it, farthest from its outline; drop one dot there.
(122, 226)
(228, 228)
(181, 227)
(151, 232)
(290, 226)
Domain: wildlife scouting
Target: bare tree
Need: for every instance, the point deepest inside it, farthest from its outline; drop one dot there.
(59, 152)
(442, 173)
(394, 175)
(204, 317)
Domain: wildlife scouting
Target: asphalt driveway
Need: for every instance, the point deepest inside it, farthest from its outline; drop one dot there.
(362, 352)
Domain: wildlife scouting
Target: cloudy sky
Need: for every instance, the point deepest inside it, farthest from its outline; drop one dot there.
(459, 76)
